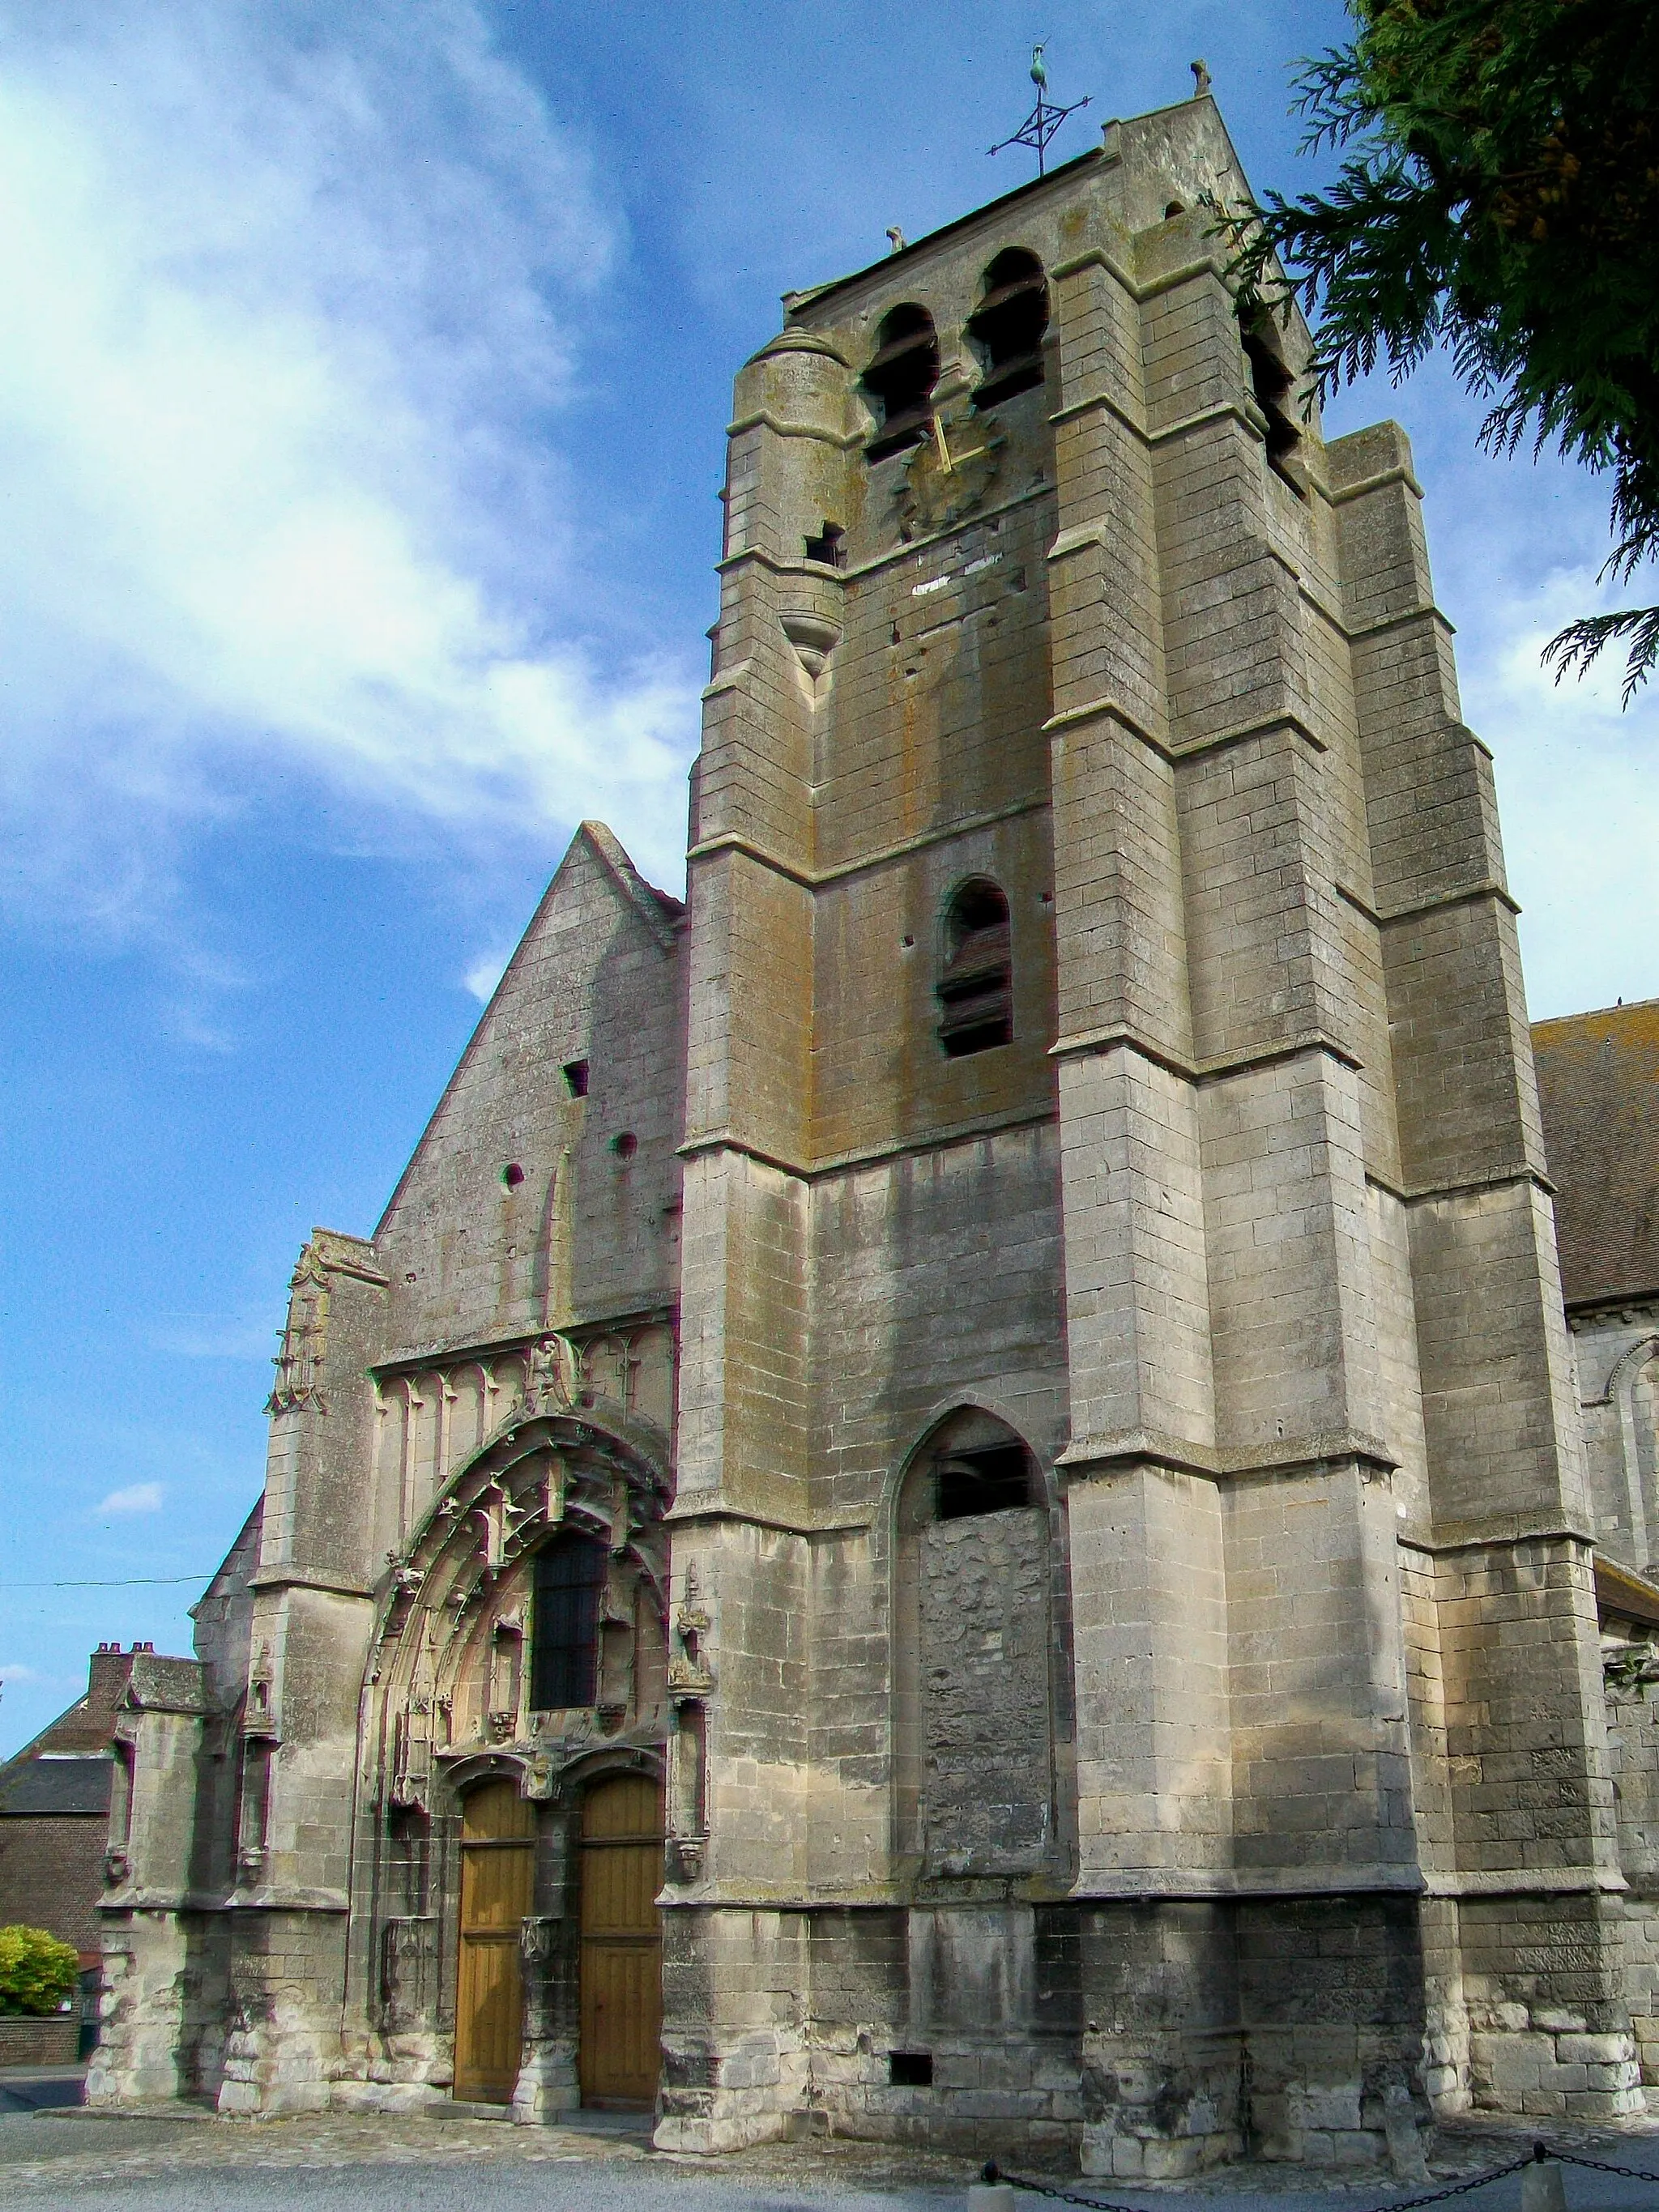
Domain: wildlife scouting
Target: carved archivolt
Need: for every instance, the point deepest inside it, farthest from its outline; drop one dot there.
(434, 1420)
(1622, 1375)
(450, 1676)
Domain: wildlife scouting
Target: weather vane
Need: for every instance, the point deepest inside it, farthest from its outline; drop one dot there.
(1041, 124)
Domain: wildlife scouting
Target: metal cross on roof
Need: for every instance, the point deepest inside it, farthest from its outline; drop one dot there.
(1041, 124)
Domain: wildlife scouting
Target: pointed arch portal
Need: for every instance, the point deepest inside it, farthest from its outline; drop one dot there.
(519, 1695)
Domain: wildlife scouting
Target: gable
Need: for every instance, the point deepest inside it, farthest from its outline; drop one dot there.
(467, 1237)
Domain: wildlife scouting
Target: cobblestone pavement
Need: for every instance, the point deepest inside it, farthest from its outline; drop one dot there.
(173, 2159)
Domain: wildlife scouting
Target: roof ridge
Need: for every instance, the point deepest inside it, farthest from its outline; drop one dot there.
(1593, 1013)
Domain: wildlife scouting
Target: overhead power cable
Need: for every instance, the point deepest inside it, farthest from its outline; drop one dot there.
(124, 1582)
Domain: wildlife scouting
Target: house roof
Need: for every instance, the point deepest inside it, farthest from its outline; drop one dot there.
(1598, 1083)
(55, 1782)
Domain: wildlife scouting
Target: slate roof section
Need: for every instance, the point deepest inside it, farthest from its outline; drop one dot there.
(56, 1783)
(1598, 1083)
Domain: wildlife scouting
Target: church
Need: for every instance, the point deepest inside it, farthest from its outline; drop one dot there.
(957, 1500)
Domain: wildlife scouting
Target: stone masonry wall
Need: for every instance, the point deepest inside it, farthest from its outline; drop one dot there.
(1240, 1777)
(987, 1788)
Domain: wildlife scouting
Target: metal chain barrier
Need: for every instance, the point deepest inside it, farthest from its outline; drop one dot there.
(1462, 2188)
(1600, 2165)
(993, 2175)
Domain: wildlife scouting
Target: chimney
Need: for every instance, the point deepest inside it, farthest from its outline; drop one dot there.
(107, 1677)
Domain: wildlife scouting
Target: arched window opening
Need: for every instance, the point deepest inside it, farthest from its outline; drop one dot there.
(976, 987)
(564, 1633)
(899, 382)
(1008, 325)
(1272, 382)
(996, 1479)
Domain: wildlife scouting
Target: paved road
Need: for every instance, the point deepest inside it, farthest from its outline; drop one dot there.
(196, 2163)
(39, 2088)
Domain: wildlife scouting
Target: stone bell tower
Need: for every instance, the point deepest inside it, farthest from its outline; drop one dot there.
(1133, 1646)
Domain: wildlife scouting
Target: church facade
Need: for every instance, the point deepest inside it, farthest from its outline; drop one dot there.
(952, 1503)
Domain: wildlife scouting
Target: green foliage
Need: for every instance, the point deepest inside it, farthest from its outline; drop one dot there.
(37, 1971)
(1632, 1671)
(1499, 193)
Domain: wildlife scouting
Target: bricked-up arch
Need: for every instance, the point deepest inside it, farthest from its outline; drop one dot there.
(900, 379)
(973, 1756)
(976, 985)
(1007, 326)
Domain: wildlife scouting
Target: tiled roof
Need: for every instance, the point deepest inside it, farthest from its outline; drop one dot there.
(1598, 1082)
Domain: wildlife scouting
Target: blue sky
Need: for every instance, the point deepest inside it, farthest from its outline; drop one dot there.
(361, 401)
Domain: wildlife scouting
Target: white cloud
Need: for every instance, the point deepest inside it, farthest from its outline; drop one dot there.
(136, 1498)
(486, 971)
(1581, 836)
(209, 1336)
(286, 303)
(1576, 782)
(10, 1672)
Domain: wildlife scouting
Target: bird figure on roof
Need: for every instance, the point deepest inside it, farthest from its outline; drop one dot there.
(1041, 124)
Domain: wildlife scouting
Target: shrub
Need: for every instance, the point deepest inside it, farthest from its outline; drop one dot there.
(37, 1971)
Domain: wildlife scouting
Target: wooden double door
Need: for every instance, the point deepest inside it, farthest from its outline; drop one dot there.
(620, 1968)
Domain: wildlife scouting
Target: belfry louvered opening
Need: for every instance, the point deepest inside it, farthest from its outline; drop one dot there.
(900, 379)
(976, 985)
(1272, 384)
(1008, 325)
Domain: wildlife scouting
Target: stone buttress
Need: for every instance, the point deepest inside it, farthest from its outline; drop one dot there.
(1238, 1224)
